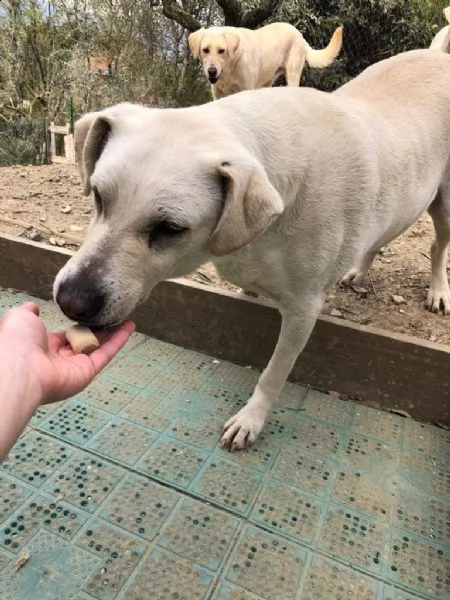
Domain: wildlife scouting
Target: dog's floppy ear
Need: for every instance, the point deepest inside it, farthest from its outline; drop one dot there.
(232, 40)
(194, 40)
(251, 204)
(90, 137)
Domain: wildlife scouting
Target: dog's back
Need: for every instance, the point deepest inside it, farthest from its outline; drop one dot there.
(413, 87)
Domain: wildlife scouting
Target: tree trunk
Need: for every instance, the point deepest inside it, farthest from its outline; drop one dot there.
(232, 12)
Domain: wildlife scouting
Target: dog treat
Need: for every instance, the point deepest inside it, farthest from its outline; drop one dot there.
(81, 339)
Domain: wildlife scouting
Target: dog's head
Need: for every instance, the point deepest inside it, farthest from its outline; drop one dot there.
(215, 47)
(168, 195)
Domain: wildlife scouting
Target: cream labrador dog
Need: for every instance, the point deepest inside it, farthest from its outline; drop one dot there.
(441, 41)
(236, 59)
(284, 189)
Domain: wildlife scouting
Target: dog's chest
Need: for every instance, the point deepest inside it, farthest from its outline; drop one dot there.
(251, 273)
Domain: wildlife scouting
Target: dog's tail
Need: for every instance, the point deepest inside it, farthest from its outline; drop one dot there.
(446, 12)
(319, 59)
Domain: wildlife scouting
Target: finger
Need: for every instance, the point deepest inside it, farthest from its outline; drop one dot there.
(117, 340)
(31, 307)
(57, 340)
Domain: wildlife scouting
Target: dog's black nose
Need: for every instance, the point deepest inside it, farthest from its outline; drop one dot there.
(212, 72)
(78, 302)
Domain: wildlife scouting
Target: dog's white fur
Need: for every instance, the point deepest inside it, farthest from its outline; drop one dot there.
(441, 41)
(284, 189)
(247, 59)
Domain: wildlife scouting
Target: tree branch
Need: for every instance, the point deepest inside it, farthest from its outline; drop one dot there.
(255, 17)
(232, 12)
(172, 10)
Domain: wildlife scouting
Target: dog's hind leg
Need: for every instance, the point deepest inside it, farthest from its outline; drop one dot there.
(297, 324)
(356, 275)
(439, 292)
(293, 66)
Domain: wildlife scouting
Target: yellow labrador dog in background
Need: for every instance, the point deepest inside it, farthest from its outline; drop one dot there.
(236, 59)
(441, 40)
(284, 189)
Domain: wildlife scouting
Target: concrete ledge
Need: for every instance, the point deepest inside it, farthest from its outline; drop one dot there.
(384, 369)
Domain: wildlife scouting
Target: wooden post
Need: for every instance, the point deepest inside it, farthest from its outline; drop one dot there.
(52, 141)
(69, 149)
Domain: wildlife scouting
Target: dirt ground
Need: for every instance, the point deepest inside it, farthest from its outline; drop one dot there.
(46, 204)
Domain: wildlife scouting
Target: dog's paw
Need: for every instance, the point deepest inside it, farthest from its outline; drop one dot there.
(438, 300)
(353, 277)
(243, 429)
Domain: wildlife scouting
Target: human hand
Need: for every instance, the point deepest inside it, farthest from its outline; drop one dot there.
(45, 360)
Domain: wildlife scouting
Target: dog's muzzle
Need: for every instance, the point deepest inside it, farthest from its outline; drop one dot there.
(213, 75)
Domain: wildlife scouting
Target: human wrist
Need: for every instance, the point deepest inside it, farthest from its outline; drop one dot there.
(18, 383)
(20, 396)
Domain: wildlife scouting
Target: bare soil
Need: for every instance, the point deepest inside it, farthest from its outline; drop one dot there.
(46, 204)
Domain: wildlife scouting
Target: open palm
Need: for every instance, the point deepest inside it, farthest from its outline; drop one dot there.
(49, 361)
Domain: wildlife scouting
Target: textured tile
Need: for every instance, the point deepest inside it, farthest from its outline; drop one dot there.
(305, 470)
(353, 537)
(119, 553)
(40, 512)
(85, 481)
(366, 491)
(328, 580)
(200, 533)
(426, 439)
(108, 394)
(75, 421)
(288, 511)
(35, 457)
(164, 575)
(56, 570)
(12, 494)
(122, 441)
(327, 409)
(266, 565)
(227, 484)
(172, 461)
(315, 436)
(418, 564)
(138, 372)
(370, 453)
(379, 424)
(140, 506)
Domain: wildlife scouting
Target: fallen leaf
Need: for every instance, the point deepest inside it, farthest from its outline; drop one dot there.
(21, 561)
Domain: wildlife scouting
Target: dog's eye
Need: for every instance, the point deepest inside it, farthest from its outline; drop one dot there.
(205, 50)
(164, 229)
(221, 50)
(98, 202)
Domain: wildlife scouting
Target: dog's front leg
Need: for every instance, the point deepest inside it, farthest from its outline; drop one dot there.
(297, 324)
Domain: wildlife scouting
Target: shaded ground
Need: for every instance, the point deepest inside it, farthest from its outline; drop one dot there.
(46, 203)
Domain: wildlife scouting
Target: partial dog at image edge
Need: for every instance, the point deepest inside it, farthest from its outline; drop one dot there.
(441, 41)
(286, 190)
(236, 59)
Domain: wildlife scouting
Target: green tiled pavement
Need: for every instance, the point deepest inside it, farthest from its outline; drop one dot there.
(124, 492)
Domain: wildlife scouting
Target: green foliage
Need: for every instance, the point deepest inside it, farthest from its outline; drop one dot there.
(373, 31)
(22, 141)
